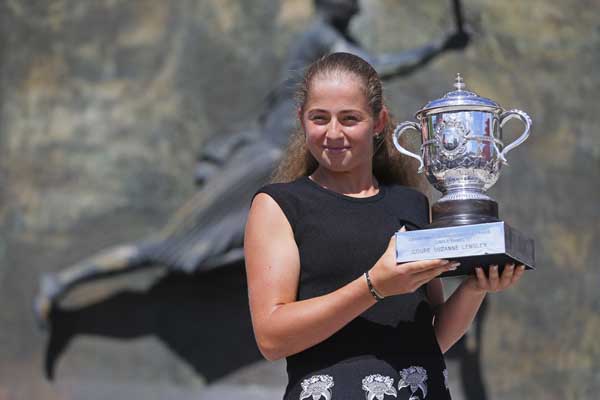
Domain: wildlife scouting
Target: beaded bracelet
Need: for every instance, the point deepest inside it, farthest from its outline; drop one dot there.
(374, 292)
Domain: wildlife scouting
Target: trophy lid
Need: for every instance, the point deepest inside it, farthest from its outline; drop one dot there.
(459, 99)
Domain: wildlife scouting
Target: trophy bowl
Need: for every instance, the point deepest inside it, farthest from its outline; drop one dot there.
(462, 153)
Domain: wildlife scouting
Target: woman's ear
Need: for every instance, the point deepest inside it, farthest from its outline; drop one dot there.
(382, 120)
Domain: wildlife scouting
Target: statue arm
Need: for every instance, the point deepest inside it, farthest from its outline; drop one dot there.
(391, 65)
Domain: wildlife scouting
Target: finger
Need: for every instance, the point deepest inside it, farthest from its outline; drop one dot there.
(493, 277)
(519, 271)
(419, 266)
(426, 276)
(432, 273)
(403, 229)
(481, 279)
(507, 275)
(426, 279)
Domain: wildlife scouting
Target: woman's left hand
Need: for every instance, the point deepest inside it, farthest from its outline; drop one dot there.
(495, 282)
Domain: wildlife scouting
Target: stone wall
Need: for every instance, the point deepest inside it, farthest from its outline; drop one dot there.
(105, 104)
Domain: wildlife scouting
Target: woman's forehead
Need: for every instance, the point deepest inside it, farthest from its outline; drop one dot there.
(341, 89)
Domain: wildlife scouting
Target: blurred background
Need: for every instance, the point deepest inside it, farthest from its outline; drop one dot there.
(106, 103)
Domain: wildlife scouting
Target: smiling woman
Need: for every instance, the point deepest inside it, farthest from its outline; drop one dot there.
(340, 126)
(345, 98)
(324, 287)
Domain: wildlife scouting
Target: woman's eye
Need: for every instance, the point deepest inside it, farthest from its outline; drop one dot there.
(318, 118)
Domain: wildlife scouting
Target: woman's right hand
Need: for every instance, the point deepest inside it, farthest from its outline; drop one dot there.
(390, 278)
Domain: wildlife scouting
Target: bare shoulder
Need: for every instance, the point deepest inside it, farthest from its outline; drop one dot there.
(266, 214)
(269, 236)
(271, 256)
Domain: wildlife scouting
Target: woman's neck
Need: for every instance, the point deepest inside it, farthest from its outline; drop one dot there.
(358, 184)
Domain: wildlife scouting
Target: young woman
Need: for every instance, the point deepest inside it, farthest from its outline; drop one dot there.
(324, 287)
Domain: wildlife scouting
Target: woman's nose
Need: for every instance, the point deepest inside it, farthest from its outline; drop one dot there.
(334, 130)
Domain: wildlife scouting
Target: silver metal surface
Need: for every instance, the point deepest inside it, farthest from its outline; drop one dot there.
(458, 99)
(472, 245)
(451, 242)
(462, 150)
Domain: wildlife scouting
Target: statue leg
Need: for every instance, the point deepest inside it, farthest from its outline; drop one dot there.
(109, 262)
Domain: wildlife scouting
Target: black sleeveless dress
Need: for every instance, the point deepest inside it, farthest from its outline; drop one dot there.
(389, 351)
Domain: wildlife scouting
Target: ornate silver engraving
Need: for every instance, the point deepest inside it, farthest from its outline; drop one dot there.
(317, 386)
(451, 135)
(461, 135)
(445, 372)
(413, 377)
(377, 386)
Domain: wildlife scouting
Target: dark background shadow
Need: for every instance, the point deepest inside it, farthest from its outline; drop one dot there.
(204, 319)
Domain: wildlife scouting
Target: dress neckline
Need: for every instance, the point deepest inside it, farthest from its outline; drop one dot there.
(377, 196)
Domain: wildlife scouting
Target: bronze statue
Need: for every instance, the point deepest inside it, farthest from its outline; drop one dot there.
(207, 231)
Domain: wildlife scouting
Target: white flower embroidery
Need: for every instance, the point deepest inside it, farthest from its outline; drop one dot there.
(378, 386)
(317, 386)
(445, 372)
(413, 377)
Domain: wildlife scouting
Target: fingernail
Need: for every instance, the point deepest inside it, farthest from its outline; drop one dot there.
(521, 267)
(453, 266)
(494, 266)
(511, 266)
(444, 262)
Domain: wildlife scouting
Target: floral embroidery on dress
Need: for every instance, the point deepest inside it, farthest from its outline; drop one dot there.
(445, 372)
(413, 377)
(378, 386)
(317, 386)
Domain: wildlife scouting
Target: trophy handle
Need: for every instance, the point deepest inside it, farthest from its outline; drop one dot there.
(396, 137)
(523, 117)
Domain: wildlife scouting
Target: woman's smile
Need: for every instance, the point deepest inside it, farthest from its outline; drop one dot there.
(336, 149)
(338, 124)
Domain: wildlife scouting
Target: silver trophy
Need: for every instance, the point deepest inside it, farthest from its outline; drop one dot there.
(462, 153)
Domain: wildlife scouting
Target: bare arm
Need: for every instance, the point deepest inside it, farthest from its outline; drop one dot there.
(283, 325)
(454, 317)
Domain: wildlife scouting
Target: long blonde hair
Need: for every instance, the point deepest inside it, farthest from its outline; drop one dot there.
(389, 166)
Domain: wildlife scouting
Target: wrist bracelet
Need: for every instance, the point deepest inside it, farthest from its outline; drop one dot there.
(374, 292)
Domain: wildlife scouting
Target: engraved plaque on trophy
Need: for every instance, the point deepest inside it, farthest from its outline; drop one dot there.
(461, 155)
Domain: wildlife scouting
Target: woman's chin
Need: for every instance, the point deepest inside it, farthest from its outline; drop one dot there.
(335, 165)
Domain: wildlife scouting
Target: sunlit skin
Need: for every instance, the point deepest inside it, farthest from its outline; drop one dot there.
(339, 127)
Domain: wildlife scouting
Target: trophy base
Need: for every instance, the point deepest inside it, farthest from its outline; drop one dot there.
(477, 245)
(463, 212)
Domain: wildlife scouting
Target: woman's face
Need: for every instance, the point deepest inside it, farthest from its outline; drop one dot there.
(339, 124)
